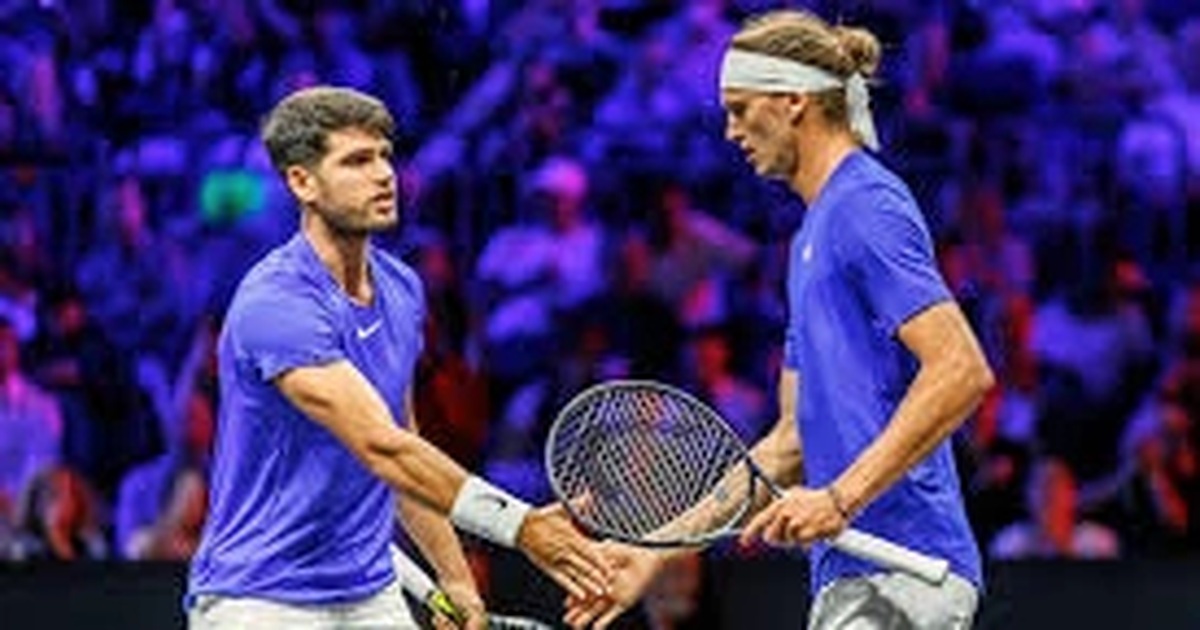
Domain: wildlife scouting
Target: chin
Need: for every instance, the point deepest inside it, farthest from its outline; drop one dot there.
(365, 228)
(389, 223)
(379, 227)
(380, 221)
(770, 172)
(779, 169)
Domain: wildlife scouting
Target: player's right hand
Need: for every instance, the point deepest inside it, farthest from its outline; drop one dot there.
(633, 570)
(550, 540)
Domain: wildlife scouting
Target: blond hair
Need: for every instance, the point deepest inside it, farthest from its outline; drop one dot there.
(803, 37)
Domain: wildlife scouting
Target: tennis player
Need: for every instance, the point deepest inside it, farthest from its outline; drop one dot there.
(316, 433)
(880, 364)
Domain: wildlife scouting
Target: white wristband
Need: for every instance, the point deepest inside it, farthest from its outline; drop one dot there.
(488, 512)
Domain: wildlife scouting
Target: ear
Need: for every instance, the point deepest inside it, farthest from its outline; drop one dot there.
(797, 105)
(303, 184)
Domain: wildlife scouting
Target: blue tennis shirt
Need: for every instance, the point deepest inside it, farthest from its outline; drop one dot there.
(293, 516)
(860, 266)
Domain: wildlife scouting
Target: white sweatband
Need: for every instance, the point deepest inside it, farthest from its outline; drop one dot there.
(488, 512)
(742, 69)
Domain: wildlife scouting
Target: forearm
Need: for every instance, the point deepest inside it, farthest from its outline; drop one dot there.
(778, 455)
(716, 509)
(403, 459)
(436, 539)
(938, 400)
(339, 398)
(420, 472)
(417, 470)
(777, 463)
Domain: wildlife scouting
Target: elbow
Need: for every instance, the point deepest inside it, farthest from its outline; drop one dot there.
(968, 376)
(978, 379)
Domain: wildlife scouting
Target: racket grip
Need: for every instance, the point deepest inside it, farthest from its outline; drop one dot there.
(414, 580)
(889, 555)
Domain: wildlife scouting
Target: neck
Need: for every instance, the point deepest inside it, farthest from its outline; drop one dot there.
(821, 151)
(345, 255)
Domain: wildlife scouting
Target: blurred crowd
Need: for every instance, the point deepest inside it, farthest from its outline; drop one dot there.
(576, 215)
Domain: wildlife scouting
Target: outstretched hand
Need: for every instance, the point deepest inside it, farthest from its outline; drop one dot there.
(633, 569)
(572, 560)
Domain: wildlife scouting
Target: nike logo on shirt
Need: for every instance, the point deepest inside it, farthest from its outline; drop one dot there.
(363, 333)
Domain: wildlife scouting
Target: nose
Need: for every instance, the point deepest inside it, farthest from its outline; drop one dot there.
(732, 133)
(384, 170)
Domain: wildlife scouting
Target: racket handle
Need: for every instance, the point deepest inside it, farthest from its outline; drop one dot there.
(889, 555)
(414, 580)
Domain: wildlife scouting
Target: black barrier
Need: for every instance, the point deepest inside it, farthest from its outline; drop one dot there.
(92, 596)
(763, 593)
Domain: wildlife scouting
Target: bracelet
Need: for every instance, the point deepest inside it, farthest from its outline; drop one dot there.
(838, 504)
(488, 512)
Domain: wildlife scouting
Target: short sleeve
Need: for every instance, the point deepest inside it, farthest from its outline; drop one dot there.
(890, 256)
(278, 331)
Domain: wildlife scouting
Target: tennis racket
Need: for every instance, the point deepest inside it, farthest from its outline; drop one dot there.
(633, 461)
(418, 584)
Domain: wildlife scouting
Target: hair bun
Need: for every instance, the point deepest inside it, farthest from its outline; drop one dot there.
(861, 48)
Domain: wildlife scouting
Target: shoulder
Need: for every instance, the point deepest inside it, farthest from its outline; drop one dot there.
(862, 188)
(879, 204)
(862, 175)
(282, 282)
(878, 216)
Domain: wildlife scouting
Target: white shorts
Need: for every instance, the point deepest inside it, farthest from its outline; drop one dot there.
(894, 601)
(383, 610)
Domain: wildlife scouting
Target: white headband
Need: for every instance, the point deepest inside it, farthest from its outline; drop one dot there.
(742, 69)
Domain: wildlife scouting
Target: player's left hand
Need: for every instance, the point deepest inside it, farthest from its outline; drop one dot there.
(800, 517)
(466, 597)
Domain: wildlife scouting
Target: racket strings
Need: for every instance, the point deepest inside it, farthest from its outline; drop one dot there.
(618, 452)
(637, 458)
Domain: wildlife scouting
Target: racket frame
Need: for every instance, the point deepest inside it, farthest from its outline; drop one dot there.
(851, 541)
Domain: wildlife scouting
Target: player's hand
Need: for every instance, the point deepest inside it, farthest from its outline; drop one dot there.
(800, 517)
(633, 570)
(466, 597)
(571, 559)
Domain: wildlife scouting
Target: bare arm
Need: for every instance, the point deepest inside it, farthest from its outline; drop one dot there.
(951, 382)
(338, 397)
